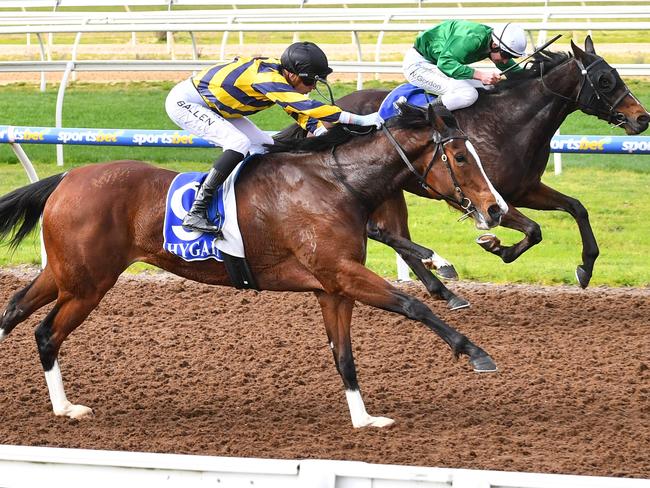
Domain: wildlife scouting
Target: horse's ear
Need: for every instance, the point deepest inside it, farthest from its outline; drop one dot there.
(589, 45)
(430, 112)
(438, 122)
(577, 52)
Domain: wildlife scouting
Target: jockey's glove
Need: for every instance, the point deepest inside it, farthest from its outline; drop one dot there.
(366, 120)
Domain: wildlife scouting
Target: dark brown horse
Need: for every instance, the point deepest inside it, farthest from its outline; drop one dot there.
(302, 215)
(512, 127)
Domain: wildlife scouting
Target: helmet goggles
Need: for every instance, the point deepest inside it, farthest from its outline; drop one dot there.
(309, 79)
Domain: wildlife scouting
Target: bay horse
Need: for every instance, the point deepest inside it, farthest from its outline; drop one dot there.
(512, 127)
(302, 215)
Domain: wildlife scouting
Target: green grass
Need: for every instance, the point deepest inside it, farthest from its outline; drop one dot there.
(614, 188)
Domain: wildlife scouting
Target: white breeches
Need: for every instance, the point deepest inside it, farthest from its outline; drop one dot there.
(189, 111)
(454, 94)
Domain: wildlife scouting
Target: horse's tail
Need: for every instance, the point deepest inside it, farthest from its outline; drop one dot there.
(24, 207)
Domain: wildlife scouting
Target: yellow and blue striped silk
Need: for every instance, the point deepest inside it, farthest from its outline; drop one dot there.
(248, 85)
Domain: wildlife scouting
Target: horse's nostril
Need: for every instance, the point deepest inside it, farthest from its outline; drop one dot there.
(495, 212)
(643, 119)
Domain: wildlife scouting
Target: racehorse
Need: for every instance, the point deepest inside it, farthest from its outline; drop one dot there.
(302, 216)
(512, 126)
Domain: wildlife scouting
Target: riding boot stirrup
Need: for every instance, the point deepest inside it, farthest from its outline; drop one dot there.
(197, 218)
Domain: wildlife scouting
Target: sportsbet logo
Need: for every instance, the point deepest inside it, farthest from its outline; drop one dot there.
(88, 136)
(636, 146)
(28, 135)
(582, 144)
(173, 138)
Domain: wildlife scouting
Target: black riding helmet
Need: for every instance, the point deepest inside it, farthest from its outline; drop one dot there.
(306, 60)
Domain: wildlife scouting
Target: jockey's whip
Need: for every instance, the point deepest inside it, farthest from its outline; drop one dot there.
(532, 54)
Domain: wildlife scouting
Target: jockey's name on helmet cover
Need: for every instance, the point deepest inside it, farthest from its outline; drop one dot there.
(306, 60)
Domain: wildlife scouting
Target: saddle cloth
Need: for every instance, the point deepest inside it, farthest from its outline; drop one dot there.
(197, 246)
(404, 92)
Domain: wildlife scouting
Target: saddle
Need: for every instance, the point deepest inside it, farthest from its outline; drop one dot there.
(198, 246)
(405, 92)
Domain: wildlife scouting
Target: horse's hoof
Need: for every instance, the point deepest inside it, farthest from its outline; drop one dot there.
(483, 364)
(583, 277)
(447, 272)
(456, 303)
(375, 422)
(489, 242)
(76, 412)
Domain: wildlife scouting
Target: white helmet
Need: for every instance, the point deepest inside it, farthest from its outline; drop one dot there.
(510, 38)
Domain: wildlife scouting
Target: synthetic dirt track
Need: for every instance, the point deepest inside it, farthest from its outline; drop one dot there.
(174, 366)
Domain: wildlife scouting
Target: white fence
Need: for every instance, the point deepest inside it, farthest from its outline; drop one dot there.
(22, 466)
(354, 21)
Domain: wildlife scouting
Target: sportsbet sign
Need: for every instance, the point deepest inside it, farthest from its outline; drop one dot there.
(179, 138)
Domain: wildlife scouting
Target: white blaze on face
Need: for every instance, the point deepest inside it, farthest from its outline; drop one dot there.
(500, 201)
(2, 335)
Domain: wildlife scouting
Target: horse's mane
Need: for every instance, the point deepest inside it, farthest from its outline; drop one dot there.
(532, 69)
(410, 117)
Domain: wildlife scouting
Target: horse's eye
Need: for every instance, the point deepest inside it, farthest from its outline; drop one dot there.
(606, 81)
(460, 158)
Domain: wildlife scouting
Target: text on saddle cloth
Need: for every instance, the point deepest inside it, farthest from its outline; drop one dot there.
(197, 246)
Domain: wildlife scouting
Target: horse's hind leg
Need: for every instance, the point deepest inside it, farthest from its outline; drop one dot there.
(41, 291)
(68, 313)
(337, 315)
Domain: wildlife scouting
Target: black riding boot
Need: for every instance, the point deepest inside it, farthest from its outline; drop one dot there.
(197, 218)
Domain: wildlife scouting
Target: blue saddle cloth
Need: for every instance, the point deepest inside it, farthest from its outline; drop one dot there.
(411, 93)
(197, 246)
(191, 246)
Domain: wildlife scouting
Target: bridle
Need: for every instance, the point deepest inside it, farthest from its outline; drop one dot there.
(463, 201)
(598, 80)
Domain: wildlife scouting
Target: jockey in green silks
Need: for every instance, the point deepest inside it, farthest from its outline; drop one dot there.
(440, 58)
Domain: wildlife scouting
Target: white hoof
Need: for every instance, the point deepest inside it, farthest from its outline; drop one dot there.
(375, 422)
(76, 412)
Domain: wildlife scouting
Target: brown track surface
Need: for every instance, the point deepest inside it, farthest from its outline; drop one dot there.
(174, 366)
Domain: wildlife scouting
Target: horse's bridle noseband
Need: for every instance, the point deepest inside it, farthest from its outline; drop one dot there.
(596, 84)
(463, 201)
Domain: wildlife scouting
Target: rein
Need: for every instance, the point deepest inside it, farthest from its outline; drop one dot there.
(464, 202)
(604, 83)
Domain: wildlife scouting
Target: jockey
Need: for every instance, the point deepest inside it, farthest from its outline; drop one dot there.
(215, 104)
(438, 62)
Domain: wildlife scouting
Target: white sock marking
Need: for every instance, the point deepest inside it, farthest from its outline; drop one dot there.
(438, 261)
(360, 417)
(60, 403)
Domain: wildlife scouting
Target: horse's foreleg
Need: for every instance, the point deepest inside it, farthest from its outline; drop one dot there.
(514, 219)
(546, 198)
(359, 283)
(413, 254)
(433, 285)
(405, 247)
(68, 313)
(337, 315)
(41, 291)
